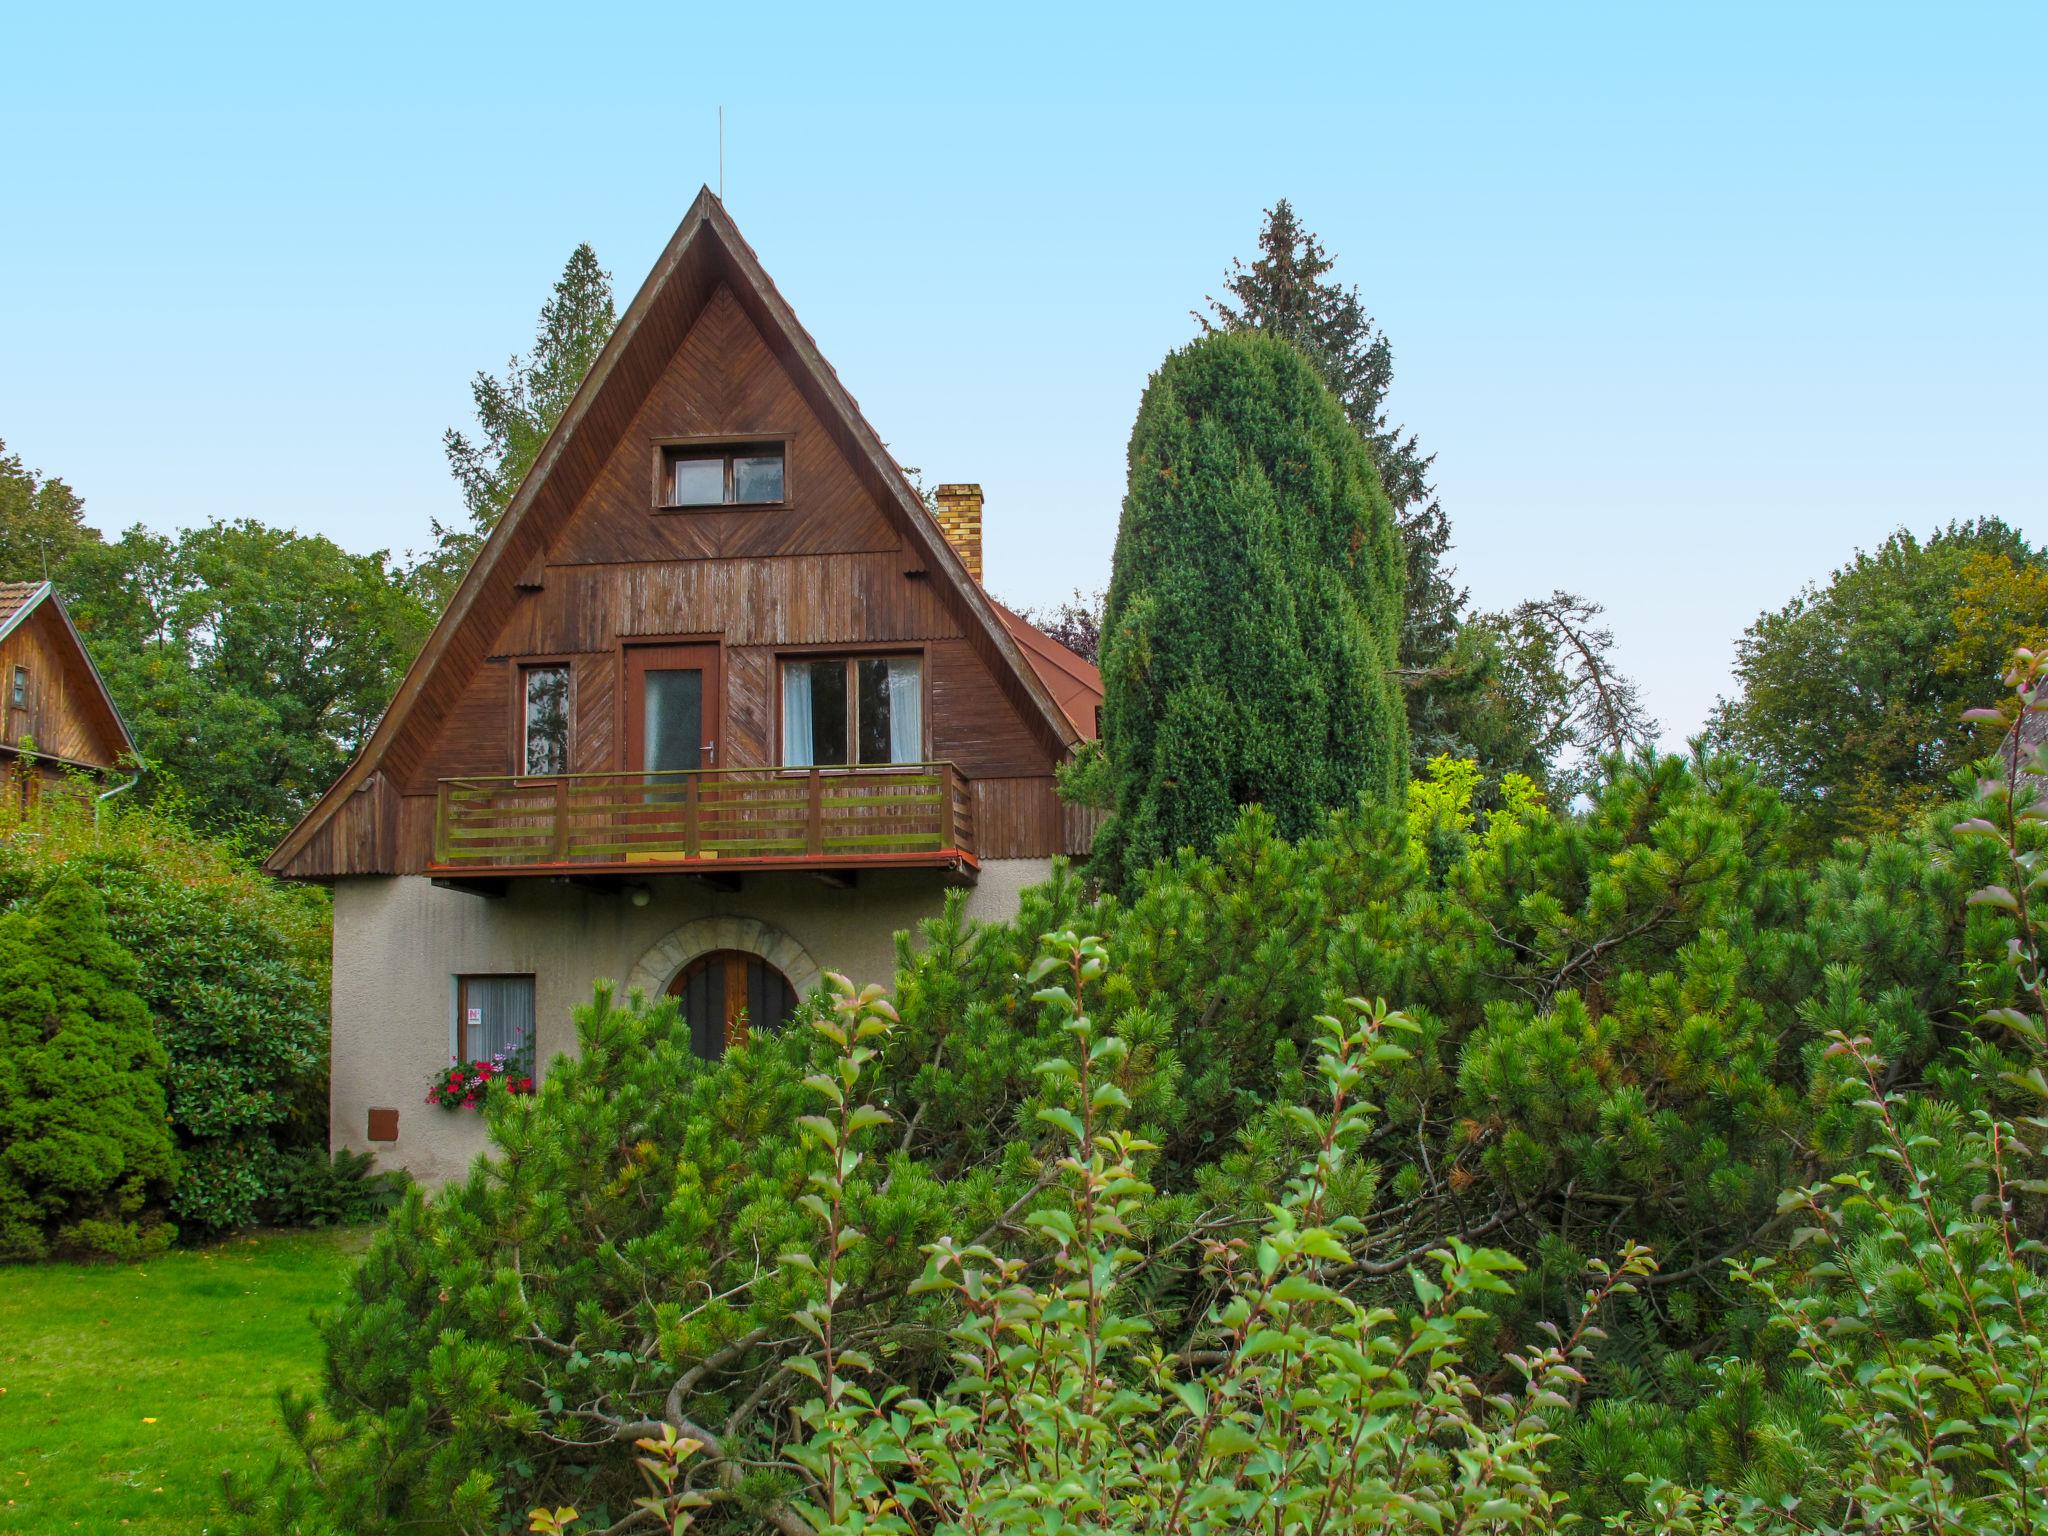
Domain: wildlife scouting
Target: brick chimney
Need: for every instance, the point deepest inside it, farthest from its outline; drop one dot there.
(960, 521)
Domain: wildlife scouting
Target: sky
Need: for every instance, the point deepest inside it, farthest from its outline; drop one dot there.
(1689, 301)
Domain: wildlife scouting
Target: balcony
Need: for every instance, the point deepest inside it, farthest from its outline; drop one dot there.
(714, 821)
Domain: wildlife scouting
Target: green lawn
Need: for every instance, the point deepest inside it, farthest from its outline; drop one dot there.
(127, 1389)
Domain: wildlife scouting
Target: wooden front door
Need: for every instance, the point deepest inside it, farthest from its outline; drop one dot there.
(728, 993)
(674, 707)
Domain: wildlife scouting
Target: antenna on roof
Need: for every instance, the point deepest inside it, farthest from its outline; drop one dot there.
(721, 151)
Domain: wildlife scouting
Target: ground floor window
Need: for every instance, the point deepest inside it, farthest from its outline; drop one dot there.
(493, 1016)
(728, 992)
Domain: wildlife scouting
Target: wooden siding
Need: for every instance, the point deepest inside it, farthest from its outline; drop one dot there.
(1025, 818)
(63, 710)
(826, 569)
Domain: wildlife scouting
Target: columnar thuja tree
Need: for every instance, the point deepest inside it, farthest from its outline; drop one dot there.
(1254, 620)
(86, 1159)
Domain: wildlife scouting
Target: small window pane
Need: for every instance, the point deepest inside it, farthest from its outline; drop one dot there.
(495, 1019)
(698, 482)
(757, 477)
(891, 711)
(547, 719)
(828, 712)
(20, 686)
(874, 710)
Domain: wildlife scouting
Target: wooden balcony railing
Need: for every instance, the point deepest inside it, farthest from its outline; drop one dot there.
(902, 816)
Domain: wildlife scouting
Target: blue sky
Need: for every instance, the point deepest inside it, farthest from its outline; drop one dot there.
(1689, 301)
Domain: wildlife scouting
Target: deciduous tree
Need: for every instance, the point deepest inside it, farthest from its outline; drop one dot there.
(1852, 694)
(250, 662)
(42, 521)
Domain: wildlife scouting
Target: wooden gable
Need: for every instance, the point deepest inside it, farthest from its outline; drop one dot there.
(65, 710)
(583, 562)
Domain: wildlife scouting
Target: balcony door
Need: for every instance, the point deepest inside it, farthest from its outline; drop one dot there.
(674, 706)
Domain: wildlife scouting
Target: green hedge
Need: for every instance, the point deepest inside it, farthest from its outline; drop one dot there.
(234, 972)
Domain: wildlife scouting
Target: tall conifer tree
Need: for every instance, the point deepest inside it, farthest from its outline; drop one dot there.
(516, 413)
(1288, 292)
(1254, 617)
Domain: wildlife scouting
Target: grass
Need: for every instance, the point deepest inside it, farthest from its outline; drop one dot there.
(128, 1389)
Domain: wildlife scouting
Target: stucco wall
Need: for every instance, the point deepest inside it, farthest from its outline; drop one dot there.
(399, 942)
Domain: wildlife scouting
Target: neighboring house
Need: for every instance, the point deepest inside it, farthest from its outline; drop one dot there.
(60, 718)
(719, 707)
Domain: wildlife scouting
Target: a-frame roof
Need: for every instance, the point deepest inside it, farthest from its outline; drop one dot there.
(19, 602)
(705, 253)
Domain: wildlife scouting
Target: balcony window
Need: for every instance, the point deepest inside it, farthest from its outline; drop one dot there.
(843, 710)
(751, 475)
(546, 735)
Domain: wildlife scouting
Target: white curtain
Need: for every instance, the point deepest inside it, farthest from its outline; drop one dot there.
(652, 697)
(906, 710)
(498, 1015)
(797, 751)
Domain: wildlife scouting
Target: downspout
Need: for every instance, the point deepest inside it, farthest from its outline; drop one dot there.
(101, 799)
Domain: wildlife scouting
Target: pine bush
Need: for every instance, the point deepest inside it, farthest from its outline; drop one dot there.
(1621, 1021)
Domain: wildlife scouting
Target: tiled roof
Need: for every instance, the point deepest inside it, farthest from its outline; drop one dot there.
(14, 596)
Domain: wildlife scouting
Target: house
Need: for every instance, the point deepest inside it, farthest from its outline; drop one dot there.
(60, 718)
(721, 705)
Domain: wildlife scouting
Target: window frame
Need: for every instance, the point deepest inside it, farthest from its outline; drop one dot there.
(527, 664)
(458, 1024)
(787, 654)
(728, 447)
(19, 693)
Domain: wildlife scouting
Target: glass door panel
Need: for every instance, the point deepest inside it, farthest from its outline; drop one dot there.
(672, 733)
(673, 707)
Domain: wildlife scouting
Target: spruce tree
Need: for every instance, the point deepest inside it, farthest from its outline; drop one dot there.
(1288, 292)
(516, 414)
(1255, 612)
(86, 1158)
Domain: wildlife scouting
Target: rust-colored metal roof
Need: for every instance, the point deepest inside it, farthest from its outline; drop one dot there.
(1073, 681)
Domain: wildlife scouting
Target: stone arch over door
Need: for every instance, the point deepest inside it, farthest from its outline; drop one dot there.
(658, 967)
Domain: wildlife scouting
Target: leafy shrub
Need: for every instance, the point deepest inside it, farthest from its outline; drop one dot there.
(1305, 1409)
(85, 1159)
(1913, 1292)
(235, 977)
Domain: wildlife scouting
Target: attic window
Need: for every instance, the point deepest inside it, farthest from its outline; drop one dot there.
(21, 687)
(749, 475)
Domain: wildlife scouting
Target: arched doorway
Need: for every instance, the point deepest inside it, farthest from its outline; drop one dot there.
(727, 992)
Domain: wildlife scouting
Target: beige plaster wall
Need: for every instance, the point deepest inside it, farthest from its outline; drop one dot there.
(399, 942)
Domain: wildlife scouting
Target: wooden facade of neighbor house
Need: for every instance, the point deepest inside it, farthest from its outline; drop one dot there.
(60, 719)
(718, 684)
